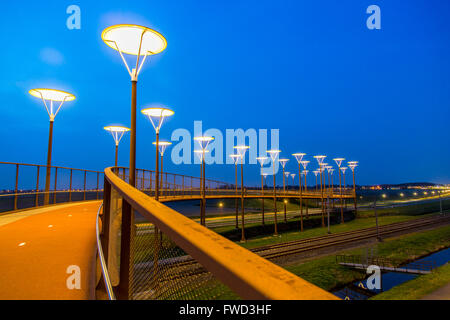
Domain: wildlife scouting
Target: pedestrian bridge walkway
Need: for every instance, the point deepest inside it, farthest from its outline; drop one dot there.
(38, 246)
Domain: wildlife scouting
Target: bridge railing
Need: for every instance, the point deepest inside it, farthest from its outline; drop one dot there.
(176, 185)
(23, 185)
(179, 258)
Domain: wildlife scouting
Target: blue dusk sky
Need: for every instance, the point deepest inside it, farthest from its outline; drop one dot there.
(311, 69)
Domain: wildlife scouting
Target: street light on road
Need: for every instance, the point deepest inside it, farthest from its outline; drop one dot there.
(274, 156)
(50, 96)
(235, 158)
(320, 159)
(241, 150)
(339, 164)
(203, 142)
(117, 133)
(352, 165)
(162, 145)
(156, 116)
(299, 157)
(136, 41)
(262, 161)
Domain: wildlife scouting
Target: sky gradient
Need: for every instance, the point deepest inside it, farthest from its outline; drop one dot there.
(311, 69)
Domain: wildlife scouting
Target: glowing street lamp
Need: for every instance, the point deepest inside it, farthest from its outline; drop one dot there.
(241, 150)
(293, 178)
(273, 156)
(156, 117)
(236, 158)
(320, 160)
(136, 41)
(117, 133)
(50, 96)
(339, 164)
(283, 163)
(352, 165)
(203, 142)
(316, 173)
(299, 157)
(162, 145)
(262, 161)
(286, 174)
(343, 169)
(305, 174)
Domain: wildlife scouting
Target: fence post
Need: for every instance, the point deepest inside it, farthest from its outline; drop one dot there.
(56, 184)
(125, 251)
(84, 187)
(17, 187)
(98, 174)
(70, 186)
(106, 218)
(37, 188)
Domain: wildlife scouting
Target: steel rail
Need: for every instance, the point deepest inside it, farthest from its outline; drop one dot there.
(304, 245)
(105, 274)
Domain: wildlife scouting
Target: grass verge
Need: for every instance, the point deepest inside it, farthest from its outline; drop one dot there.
(325, 273)
(419, 287)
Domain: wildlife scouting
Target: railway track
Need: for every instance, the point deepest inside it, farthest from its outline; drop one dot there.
(275, 251)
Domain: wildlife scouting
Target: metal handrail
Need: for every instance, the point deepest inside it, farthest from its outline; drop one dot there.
(106, 279)
(247, 274)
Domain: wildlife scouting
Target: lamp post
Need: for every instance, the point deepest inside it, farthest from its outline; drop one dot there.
(262, 161)
(117, 133)
(235, 158)
(203, 142)
(343, 169)
(136, 41)
(352, 165)
(299, 157)
(293, 178)
(162, 145)
(316, 173)
(305, 174)
(320, 159)
(283, 165)
(200, 154)
(264, 177)
(156, 117)
(51, 95)
(339, 164)
(273, 156)
(286, 174)
(241, 150)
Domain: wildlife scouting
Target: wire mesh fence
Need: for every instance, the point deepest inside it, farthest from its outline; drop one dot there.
(177, 258)
(24, 185)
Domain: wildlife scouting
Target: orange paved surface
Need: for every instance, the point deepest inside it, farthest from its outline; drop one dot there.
(53, 241)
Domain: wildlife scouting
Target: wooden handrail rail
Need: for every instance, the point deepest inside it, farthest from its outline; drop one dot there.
(246, 273)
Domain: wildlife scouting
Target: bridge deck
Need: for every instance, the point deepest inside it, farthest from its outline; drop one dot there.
(37, 246)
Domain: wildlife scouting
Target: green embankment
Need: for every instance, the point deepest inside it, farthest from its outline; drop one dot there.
(327, 274)
(419, 287)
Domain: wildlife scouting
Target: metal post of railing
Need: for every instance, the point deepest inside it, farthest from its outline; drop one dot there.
(17, 187)
(84, 187)
(56, 184)
(97, 183)
(125, 251)
(37, 187)
(70, 185)
(106, 218)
